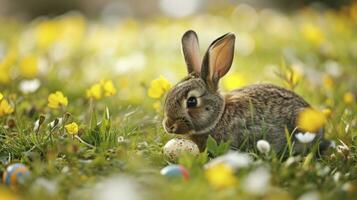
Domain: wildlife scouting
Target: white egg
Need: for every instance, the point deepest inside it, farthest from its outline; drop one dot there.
(174, 148)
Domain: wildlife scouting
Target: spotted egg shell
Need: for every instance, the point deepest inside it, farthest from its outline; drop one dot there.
(174, 148)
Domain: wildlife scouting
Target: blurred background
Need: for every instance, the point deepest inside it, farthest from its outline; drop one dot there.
(85, 41)
(28, 9)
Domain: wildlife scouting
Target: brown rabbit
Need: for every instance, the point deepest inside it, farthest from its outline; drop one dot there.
(195, 107)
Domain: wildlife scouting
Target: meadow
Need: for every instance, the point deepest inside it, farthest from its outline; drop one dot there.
(81, 104)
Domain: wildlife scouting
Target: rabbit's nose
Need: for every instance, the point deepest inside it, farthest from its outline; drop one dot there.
(170, 126)
(173, 128)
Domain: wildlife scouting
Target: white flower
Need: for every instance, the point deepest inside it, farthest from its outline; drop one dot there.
(36, 125)
(312, 195)
(292, 160)
(263, 146)
(332, 144)
(133, 62)
(332, 67)
(337, 176)
(233, 159)
(29, 86)
(323, 171)
(121, 139)
(117, 188)
(305, 137)
(56, 122)
(347, 187)
(257, 181)
(44, 185)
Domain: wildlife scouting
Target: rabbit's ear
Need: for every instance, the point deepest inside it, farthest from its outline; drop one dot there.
(191, 51)
(218, 60)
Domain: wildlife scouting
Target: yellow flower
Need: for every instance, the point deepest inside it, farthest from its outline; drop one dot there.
(313, 33)
(4, 74)
(5, 66)
(158, 87)
(46, 33)
(348, 98)
(7, 194)
(157, 105)
(108, 87)
(5, 108)
(1, 96)
(329, 102)
(220, 176)
(327, 112)
(234, 81)
(72, 128)
(72, 30)
(29, 66)
(56, 100)
(311, 120)
(95, 91)
(328, 81)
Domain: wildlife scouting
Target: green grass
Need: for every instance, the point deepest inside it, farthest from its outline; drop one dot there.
(123, 132)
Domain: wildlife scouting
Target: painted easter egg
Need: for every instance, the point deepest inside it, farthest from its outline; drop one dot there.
(175, 171)
(174, 148)
(15, 174)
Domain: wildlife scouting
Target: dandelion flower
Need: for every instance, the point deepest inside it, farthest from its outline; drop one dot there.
(348, 98)
(310, 120)
(305, 137)
(108, 87)
(72, 128)
(5, 108)
(29, 66)
(220, 176)
(263, 146)
(158, 87)
(1, 96)
(95, 92)
(56, 100)
(313, 34)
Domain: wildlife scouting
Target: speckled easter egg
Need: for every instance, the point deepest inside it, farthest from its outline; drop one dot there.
(15, 174)
(175, 171)
(176, 147)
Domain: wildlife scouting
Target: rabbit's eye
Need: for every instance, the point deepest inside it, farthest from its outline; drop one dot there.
(191, 102)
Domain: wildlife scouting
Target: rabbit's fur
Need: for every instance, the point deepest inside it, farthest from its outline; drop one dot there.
(243, 116)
